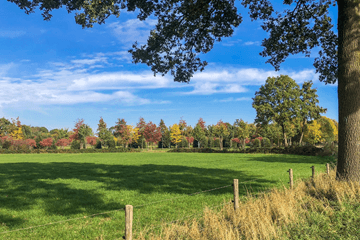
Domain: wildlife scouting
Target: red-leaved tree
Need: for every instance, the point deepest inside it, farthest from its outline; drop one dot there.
(201, 122)
(63, 142)
(91, 140)
(31, 143)
(190, 140)
(47, 142)
(76, 136)
(152, 133)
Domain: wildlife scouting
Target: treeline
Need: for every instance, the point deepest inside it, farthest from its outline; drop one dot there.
(240, 134)
(286, 115)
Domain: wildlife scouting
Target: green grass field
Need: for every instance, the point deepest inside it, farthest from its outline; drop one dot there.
(37, 189)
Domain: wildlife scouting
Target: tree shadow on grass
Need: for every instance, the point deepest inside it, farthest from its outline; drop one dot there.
(70, 188)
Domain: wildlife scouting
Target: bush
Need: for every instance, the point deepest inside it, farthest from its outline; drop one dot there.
(111, 143)
(184, 143)
(75, 144)
(6, 144)
(266, 142)
(256, 143)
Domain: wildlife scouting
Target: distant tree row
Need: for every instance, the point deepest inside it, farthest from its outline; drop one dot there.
(286, 114)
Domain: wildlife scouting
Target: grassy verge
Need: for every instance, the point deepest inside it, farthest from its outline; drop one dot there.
(322, 208)
(37, 189)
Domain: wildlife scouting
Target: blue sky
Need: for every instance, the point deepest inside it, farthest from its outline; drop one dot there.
(54, 72)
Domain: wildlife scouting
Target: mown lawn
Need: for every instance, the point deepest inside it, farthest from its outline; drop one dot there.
(37, 189)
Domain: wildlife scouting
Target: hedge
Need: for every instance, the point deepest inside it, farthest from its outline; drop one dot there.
(303, 150)
(6, 151)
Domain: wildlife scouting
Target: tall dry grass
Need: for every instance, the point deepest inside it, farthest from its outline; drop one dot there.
(266, 216)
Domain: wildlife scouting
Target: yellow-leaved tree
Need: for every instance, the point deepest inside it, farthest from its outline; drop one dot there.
(134, 133)
(16, 130)
(329, 131)
(175, 134)
(313, 133)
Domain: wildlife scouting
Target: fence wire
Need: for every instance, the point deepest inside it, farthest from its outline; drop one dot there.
(191, 194)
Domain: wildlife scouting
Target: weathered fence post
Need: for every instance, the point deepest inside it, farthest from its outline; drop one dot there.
(313, 171)
(291, 178)
(236, 193)
(128, 222)
(328, 169)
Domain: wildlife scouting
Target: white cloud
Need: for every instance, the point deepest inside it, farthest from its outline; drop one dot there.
(233, 80)
(77, 81)
(11, 34)
(89, 61)
(231, 99)
(119, 80)
(132, 30)
(250, 43)
(55, 92)
(64, 84)
(230, 43)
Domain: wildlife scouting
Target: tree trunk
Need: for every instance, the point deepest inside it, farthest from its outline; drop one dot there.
(285, 138)
(302, 132)
(301, 138)
(348, 165)
(244, 143)
(221, 143)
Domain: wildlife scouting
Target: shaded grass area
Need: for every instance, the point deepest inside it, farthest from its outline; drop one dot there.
(39, 189)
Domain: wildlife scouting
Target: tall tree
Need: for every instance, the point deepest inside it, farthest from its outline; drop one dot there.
(221, 130)
(165, 134)
(141, 126)
(104, 133)
(81, 131)
(152, 133)
(199, 131)
(122, 133)
(175, 134)
(309, 110)
(187, 28)
(242, 130)
(277, 101)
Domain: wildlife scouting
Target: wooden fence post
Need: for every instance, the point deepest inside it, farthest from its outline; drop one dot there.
(313, 172)
(128, 222)
(291, 178)
(328, 168)
(236, 193)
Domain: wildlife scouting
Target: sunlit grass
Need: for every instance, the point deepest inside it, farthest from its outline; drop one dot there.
(37, 189)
